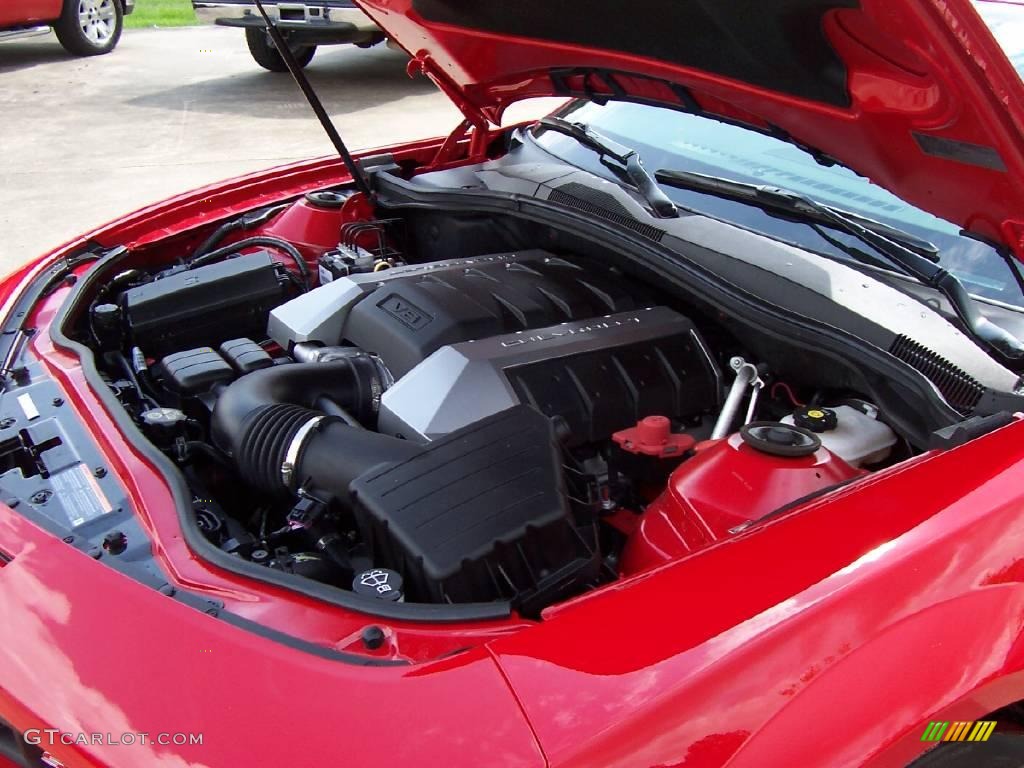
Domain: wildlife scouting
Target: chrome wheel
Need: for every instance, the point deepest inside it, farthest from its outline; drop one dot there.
(97, 20)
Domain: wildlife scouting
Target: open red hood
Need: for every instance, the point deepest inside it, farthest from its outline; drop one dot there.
(914, 94)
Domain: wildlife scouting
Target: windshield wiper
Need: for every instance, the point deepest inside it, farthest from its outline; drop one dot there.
(628, 158)
(793, 204)
(917, 257)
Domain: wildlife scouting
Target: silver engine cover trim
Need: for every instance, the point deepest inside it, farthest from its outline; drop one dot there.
(320, 314)
(462, 383)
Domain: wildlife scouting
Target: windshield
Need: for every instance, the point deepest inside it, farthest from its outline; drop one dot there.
(1006, 20)
(667, 139)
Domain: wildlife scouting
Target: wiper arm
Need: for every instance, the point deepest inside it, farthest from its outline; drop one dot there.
(897, 246)
(792, 204)
(628, 158)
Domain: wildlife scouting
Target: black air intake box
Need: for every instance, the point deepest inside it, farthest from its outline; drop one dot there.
(480, 515)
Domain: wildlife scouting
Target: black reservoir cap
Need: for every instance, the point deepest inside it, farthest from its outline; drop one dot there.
(380, 584)
(816, 419)
(779, 439)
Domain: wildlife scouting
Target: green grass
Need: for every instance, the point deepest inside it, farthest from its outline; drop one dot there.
(161, 13)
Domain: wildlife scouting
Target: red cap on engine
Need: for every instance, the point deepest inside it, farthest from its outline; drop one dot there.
(653, 436)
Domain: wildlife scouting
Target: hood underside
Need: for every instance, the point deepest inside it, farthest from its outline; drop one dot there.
(916, 95)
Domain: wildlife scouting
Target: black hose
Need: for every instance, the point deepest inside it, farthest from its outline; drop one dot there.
(265, 240)
(246, 221)
(126, 367)
(331, 408)
(197, 446)
(328, 460)
(354, 383)
(259, 416)
(218, 234)
(336, 454)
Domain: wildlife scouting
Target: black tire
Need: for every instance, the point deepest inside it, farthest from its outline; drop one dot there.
(267, 56)
(90, 27)
(1002, 750)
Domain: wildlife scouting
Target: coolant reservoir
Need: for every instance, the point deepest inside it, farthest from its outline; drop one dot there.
(856, 437)
(728, 483)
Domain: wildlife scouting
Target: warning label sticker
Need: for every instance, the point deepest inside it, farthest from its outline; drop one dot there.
(80, 495)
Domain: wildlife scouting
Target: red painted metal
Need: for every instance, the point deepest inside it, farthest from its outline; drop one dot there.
(304, 618)
(827, 635)
(295, 615)
(727, 484)
(87, 650)
(912, 66)
(312, 229)
(785, 606)
(17, 13)
(829, 569)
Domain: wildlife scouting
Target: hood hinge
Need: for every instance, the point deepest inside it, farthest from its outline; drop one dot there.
(474, 116)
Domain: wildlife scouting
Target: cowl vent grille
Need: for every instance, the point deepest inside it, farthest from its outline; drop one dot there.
(598, 203)
(960, 390)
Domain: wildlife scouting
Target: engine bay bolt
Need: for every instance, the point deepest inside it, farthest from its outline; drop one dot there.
(100, 472)
(7, 423)
(69, 539)
(373, 637)
(115, 542)
(95, 553)
(40, 497)
(167, 589)
(58, 402)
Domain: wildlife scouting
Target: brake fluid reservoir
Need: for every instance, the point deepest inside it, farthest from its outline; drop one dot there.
(856, 437)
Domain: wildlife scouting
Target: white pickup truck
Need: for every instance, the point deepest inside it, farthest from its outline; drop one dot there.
(305, 25)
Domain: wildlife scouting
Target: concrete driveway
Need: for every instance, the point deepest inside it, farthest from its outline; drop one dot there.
(85, 140)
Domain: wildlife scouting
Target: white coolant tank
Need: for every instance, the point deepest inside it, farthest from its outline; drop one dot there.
(858, 438)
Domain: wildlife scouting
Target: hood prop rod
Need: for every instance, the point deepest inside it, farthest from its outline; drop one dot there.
(314, 102)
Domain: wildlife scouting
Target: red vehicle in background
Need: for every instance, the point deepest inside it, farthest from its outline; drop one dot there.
(83, 27)
(684, 426)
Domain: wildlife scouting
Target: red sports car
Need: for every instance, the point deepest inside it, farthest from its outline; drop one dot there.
(682, 427)
(83, 27)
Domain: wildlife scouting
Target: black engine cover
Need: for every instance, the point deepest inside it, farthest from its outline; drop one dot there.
(597, 376)
(408, 318)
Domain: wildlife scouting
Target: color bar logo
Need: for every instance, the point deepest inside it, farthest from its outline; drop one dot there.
(971, 730)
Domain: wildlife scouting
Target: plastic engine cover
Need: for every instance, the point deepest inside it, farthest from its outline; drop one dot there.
(481, 515)
(598, 375)
(206, 305)
(406, 313)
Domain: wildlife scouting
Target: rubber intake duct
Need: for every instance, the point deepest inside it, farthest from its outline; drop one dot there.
(267, 421)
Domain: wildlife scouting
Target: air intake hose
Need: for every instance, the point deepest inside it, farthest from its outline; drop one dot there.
(265, 421)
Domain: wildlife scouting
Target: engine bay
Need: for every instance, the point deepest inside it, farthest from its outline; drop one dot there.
(360, 404)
